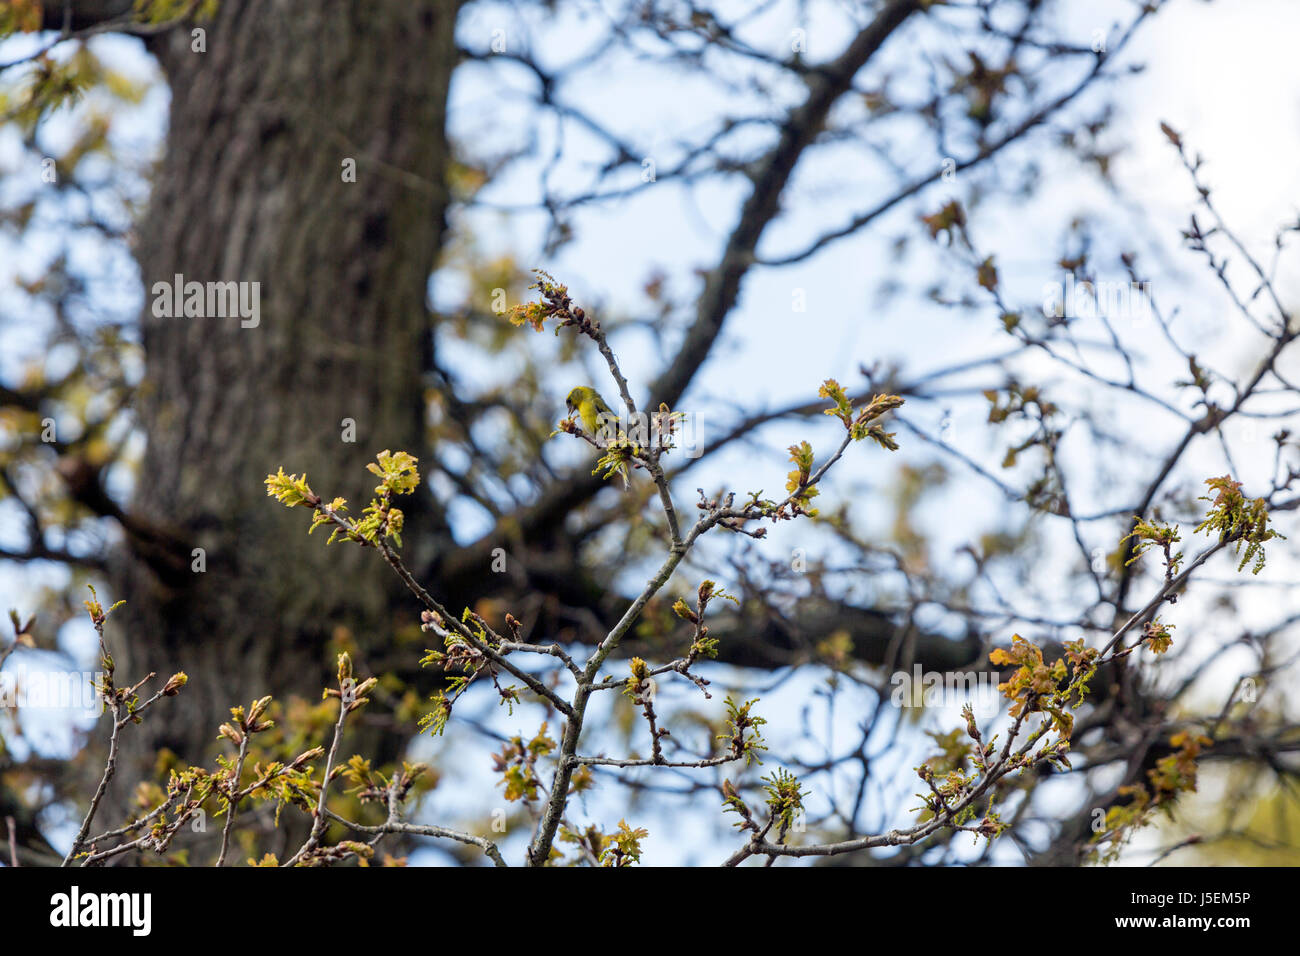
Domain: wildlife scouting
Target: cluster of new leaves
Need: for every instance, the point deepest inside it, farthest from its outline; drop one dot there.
(594, 846)
(744, 733)
(96, 611)
(516, 762)
(861, 422)
(1172, 775)
(1148, 534)
(966, 771)
(785, 796)
(164, 813)
(1245, 522)
(53, 82)
(1053, 688)
(398, 476)
(462, 662)
(796, 482)
(953, 778)
(701, 644)
(801, 482)
(962, 771)
(351, 694)
(555, 304)
(638, 685)
(371, 786)
(1157, 636)
(623, 847)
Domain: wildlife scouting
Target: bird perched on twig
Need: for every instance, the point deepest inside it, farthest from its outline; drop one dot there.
(586, 401)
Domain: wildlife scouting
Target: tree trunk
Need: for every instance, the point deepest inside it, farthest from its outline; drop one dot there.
(252, 188)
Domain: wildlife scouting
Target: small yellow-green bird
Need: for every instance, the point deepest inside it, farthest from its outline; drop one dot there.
(586, 401)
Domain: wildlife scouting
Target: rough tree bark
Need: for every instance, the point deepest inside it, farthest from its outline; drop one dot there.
(250, 188)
